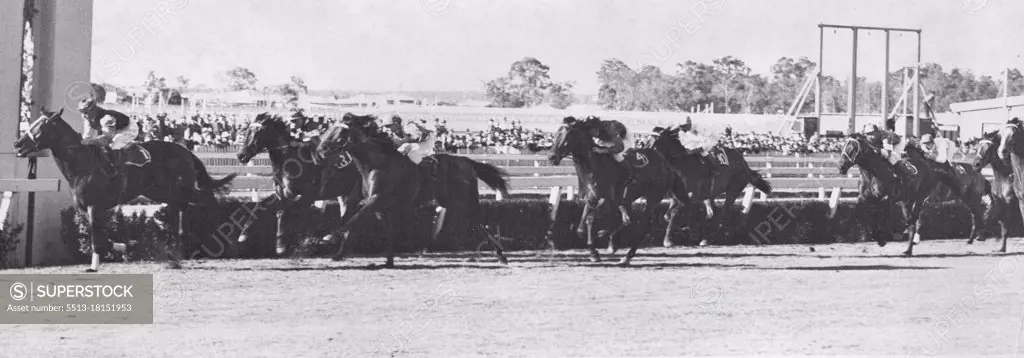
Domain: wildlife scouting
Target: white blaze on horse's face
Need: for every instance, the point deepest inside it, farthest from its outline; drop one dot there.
(35, 129)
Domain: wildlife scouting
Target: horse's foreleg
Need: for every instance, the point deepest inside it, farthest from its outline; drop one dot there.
(99, 243)
(977, 219)
(589, 220)
(645, 225)
(912, 213)
(284, 246)
(371, 206)
(270, 202)
(670, 218)
(631, 193)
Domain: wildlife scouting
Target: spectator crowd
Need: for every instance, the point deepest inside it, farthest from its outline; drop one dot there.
(500, 136)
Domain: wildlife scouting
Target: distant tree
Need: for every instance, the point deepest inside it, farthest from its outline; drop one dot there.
(299, 85)
(560, 95)
(527, 84)
(238, 79)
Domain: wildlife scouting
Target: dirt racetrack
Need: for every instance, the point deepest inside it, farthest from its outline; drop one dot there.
(950, 300)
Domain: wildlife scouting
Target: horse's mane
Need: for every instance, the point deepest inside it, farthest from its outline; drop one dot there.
(993, 135)
(274, 122)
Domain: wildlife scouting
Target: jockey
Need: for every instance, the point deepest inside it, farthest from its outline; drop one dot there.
(413, 139)
(111, 130)
(938, 149)
(891, 144)
(611, 137)
(696, 143)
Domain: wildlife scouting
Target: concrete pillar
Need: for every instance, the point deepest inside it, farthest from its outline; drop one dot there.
(63, 46)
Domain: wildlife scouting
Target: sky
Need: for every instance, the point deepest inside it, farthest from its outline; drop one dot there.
(439, 45)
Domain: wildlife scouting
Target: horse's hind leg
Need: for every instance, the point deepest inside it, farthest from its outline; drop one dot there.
(498, 251)
(625, 208)
(644, 227)
(270, 202)
(175, 248)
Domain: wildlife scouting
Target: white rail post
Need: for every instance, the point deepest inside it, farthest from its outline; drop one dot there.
(255, 196)
(821, 194)
(748, 198)
(555, 199)
(5, 206)
(570, 193)
(498, 196)
(833, 202)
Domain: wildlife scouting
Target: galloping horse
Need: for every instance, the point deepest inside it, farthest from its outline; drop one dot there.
(1002, 189)
(644, 173)
(162, 171)
(298, 181)
(390, 180)
(731, 180)
(448, 180)
(968, 185)
(880, 186)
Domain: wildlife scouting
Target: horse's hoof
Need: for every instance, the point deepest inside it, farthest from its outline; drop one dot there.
(174, 265)
(970, 242)
(90, 270)
(327, 239)
(242, 238)
(502, 260)
(623, 263)
(703, 243)
(666, 243)
(595, 258)
(337, 258)
(908, 253)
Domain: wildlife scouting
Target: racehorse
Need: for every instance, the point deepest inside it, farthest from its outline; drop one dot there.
(644, 173)
(1002, 189)
(731, 179)
(162, 171)
(967, 184)
(298, 181)
(880, 186)
(448, 180)
(390, 180)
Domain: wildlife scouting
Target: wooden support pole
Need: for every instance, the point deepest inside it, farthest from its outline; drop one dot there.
(818, 105)
(852, 100)
(833, 202)
(917, 90)
(748, 199)
(885, 80)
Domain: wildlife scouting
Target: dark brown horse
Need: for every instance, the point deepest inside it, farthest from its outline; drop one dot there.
(166, 173)
(391, 184)
(644, 173)
(881, 189)
(1002, 197)
(448, 181)
(298, 181)
(730, 180)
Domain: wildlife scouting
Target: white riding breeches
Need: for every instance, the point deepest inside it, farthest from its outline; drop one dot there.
(417, 151)
(896, 152)
(693, 141)
(944, 149)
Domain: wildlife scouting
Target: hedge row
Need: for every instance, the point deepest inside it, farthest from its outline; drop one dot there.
(521, 223)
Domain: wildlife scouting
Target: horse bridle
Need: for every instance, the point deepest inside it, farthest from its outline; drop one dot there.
(856, 148)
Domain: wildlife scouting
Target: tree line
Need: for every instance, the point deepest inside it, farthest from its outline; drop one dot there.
(731, 86)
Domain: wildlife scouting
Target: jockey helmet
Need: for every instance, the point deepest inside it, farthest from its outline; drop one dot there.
(1014, 121)
(686, 126)
(86, 105)
(870, 128)
(657, 130)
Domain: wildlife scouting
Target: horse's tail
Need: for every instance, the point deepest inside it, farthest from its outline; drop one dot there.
(207, 183)
(494, 177)
(759, 182)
